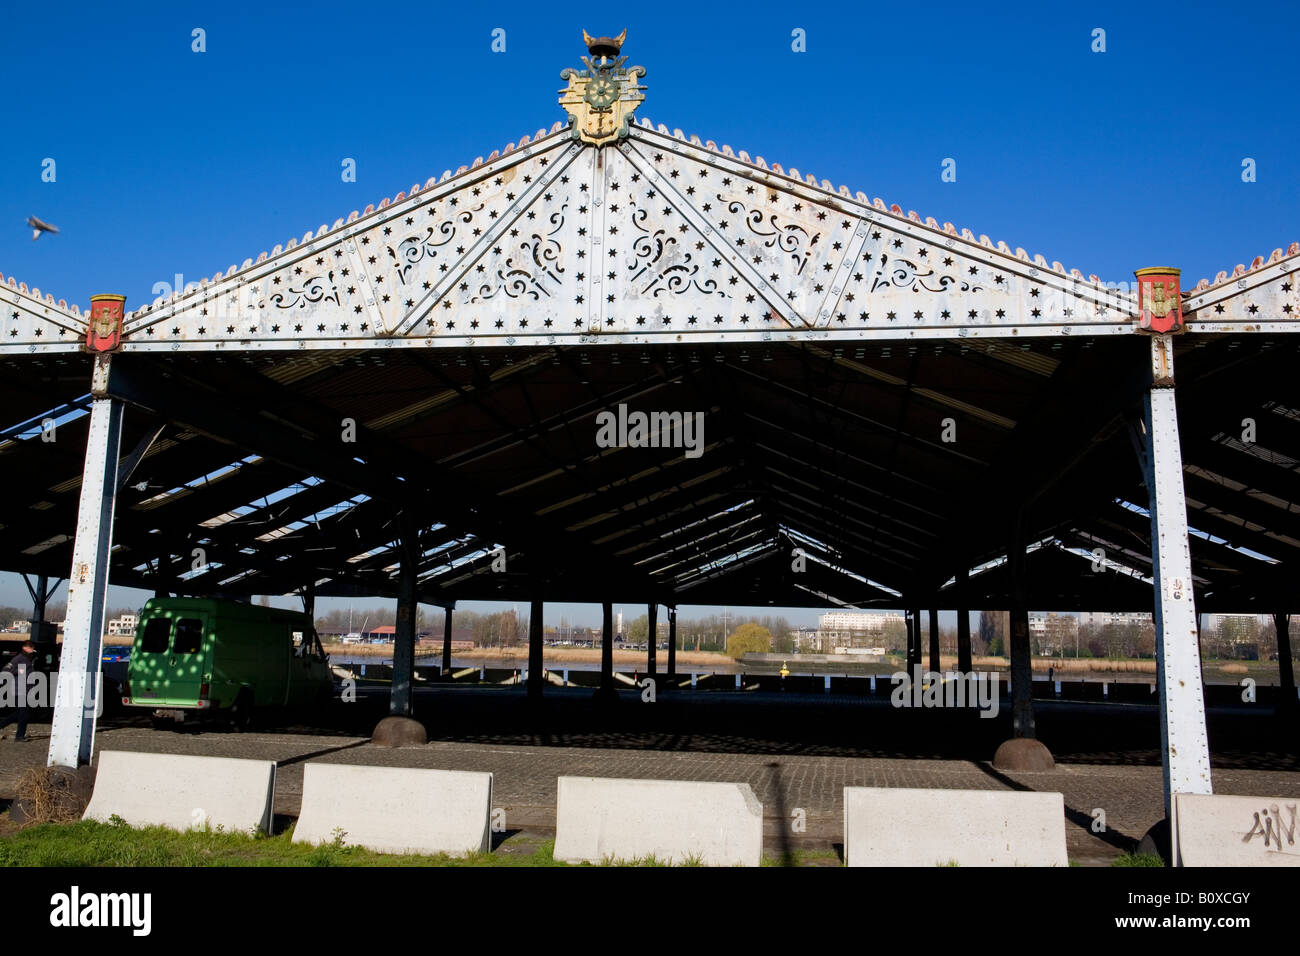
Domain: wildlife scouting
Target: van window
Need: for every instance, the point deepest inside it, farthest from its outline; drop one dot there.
(156, 632)
(189, 636)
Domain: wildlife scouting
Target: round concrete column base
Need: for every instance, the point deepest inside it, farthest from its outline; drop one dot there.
(1023, 754)
(398, 731)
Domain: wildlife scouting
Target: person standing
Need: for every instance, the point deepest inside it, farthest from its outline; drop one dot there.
(19, 666)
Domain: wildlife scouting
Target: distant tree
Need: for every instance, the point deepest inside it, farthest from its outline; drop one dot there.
(894, 635)
(1060, 631)
(993, 632)
(783, 638)
(1146, 642)
(1088, 634)
(1268, 639)
(747, 638)
(637, 629)
(1129, 635)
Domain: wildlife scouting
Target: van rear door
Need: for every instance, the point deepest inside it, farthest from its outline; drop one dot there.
(188, 660)
(169, 660)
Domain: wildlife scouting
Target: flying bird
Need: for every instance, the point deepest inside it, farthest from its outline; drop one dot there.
(39, 227)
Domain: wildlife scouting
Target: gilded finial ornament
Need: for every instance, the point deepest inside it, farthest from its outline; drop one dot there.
(601, 99)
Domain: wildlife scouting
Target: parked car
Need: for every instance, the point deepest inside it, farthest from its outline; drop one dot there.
(205, 657)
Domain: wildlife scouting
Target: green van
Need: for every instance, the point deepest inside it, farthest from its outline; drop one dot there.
(202, 657)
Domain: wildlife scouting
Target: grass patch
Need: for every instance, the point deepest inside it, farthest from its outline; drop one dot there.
(90, 843)
(652, 860)
(1137, 859)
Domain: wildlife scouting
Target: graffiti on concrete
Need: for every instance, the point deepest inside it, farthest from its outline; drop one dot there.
(1273, 827)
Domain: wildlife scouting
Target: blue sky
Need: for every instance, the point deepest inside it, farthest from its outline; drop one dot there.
(174, 162)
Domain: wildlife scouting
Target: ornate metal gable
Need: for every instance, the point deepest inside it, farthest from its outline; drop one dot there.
(1262, 298)
(610, 231)
(30, 323)
(654, 238)
(614, 232)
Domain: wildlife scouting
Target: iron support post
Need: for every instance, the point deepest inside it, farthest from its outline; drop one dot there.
(1185, 747)
(76, 705)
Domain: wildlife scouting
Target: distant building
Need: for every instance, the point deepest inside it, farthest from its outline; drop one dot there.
(1116, 618)
(123, 626)
(1230, 622)
(805, 638)
(384, 634)
(840, 631)
(1051, 633)
(1239, 631)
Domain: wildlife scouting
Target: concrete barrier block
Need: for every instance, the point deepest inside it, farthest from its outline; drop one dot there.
(396, 809)
(597, 818)
(886, 826)
(183, 792)
(1218, 830)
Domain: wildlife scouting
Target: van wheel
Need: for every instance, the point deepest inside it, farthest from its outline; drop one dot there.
(241, 712)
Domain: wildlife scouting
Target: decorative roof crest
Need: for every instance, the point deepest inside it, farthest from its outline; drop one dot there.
(601, 99)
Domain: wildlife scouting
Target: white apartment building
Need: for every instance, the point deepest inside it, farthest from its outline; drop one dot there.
(1243, 628)
(1117, 618)
(123, 626)
(853, 629)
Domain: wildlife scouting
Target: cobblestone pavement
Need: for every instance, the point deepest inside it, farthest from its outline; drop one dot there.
(525, 775)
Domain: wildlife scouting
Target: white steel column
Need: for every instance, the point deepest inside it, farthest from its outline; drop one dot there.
(72, 738)
(1186, 751)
